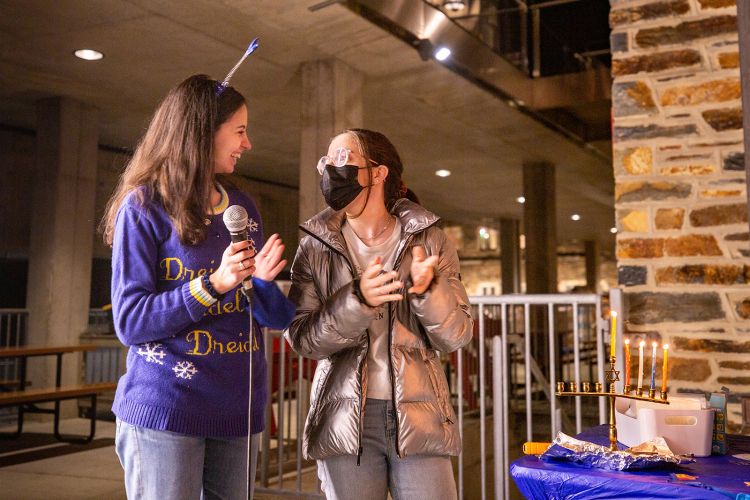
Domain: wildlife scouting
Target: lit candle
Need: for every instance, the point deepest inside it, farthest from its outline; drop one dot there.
(613, 334)
(664, 370)
(653, 365)
(640, 364)
(627, 361)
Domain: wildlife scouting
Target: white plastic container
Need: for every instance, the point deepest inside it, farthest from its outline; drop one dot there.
(685, 424)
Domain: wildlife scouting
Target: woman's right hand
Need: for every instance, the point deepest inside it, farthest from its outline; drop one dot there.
(377, 287)
(237, 263)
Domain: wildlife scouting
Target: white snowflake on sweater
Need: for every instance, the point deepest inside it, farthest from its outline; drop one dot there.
(152, 352)
(252, 243)
(184, 369)
(252, 225)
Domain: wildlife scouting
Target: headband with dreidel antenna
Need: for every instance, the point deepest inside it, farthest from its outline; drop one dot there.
(225, 83)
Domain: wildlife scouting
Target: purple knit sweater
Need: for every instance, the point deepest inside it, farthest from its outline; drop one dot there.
(187, 368)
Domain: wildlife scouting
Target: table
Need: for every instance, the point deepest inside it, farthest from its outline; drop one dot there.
(23, 353)
(723, 475)
(26, 399)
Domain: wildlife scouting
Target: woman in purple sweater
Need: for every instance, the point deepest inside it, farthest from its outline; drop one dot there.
(182, 407)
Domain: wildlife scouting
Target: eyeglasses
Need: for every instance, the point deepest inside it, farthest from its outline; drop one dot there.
(339, 159)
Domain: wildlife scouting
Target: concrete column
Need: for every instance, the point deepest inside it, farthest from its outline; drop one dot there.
(510, 256)
(62, 232)
(592, 265)
(331, 102)
(540, 227)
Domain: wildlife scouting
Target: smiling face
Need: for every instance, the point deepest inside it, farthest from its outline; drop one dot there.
(230, 141)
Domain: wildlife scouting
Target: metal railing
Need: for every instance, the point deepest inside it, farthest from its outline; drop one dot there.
(13, 333)
(504, 351)
(562, 325)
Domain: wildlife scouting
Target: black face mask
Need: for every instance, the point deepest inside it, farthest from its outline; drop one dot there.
(340, 185)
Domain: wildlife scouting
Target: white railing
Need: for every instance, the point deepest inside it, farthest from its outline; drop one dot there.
(506, 347)
(564, 332)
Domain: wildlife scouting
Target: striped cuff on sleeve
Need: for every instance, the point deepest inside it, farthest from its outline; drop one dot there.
(200, 294)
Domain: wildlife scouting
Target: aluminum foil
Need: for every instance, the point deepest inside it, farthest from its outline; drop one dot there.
(651, 454)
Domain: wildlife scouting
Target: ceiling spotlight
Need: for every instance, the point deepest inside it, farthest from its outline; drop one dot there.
(442, 53)
(575, 217)
(442, 172)
(88, 54)
(454, 5)
(521, 199)
(613, 230)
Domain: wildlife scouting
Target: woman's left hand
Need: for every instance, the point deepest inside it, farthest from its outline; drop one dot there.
(268, 262)
(422, 270)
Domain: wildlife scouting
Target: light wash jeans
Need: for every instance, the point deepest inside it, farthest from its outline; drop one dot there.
(418, 477)
(166, 465)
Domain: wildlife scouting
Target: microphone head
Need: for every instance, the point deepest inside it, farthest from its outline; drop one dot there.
(235, 218)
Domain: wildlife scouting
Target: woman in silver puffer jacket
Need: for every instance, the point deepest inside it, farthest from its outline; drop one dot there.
(373, 306)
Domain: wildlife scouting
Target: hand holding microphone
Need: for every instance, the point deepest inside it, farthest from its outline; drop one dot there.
(240, 263)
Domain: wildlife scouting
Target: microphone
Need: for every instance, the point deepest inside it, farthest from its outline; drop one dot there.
(235, 218)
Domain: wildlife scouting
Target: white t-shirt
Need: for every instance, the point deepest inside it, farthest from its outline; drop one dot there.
(378, 371)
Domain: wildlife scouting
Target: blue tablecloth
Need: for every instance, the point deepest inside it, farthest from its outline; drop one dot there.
(723, 476)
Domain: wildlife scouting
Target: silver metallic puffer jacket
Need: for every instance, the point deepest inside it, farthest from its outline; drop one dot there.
(331, 326)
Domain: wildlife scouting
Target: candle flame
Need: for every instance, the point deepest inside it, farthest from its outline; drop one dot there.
(613, 314)
(643, 343)
(627, 341)
(666, 346)
(654, 343)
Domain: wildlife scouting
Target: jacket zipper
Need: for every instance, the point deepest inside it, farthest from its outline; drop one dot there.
(396, 264)
(362, 401)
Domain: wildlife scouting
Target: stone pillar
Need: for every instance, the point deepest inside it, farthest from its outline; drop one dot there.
(331, 102)
(680, 192)
(510, 256)
(61, 233)
(539, 222)
(592, 265)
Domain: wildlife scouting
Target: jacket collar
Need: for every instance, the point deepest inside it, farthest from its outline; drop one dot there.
(326, 225)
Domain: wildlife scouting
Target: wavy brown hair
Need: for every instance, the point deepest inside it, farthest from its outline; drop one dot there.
(377, 147)
(174, 159)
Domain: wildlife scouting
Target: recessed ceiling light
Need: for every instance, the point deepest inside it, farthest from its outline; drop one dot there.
(442, 172)
(521, 199)
(575, 217)
(88, 54)
(613, 230)
(442, 53)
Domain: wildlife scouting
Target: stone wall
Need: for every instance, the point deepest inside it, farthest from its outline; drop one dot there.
(680, 197)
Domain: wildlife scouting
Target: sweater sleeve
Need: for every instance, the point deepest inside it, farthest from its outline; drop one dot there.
(271, 308)
(141, 313)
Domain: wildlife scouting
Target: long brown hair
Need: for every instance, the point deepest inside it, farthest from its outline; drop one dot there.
(378, 148)
(174, 159)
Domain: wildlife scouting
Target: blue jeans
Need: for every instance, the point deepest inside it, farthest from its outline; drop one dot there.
(167, 465)
(417, 477)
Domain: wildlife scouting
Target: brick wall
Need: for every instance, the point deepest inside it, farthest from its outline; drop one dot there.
(680, 197)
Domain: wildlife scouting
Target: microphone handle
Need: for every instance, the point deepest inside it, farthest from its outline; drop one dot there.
(247, 283)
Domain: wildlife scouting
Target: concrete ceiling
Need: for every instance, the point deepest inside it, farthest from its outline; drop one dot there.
(434, 117)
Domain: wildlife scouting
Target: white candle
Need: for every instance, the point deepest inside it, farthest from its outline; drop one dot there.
(640, 363)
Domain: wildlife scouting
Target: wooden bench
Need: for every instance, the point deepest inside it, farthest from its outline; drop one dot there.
(56, 395)
(26, 399)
